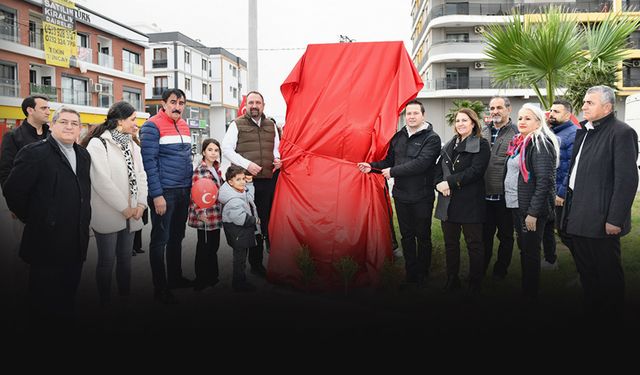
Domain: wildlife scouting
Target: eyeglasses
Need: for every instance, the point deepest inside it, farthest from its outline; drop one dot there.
(74, 124)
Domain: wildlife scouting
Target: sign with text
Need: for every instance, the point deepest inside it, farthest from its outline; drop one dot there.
(59, 31)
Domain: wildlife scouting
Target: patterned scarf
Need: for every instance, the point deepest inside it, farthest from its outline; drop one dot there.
(517, 146)
(124, 140)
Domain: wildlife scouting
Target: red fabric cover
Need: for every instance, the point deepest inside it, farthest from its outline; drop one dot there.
(343, 102)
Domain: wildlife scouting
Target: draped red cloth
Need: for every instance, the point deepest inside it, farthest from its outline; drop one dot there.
(343, 102)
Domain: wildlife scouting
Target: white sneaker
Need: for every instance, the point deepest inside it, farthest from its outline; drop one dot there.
(397, 253)
(549, 266)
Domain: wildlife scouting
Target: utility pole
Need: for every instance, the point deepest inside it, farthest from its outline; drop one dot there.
(253, 46)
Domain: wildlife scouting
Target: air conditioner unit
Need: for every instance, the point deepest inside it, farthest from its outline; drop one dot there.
(478, 29)
(97, 87)
(479, 65)
(635, 63)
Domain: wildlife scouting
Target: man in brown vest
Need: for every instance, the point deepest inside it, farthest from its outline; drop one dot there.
(252, 142)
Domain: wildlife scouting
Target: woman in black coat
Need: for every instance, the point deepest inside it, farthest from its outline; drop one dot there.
(529, 186)
(461, 207)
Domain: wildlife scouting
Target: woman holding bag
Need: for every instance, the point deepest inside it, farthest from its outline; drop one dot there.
(461, 208)
(118, 196)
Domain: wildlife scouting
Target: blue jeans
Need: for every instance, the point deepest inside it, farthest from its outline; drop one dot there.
(112, 246)
(167, 231)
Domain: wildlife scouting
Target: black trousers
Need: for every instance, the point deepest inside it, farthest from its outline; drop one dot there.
(600, 268)
(51, 294)
(265, 188)
(206, 263)
(473, 238)
(549, 238)
(498, 218)
(529, 243)
(414, 221)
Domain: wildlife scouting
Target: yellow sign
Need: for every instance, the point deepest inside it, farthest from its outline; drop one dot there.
(59, 44)
(59, 31)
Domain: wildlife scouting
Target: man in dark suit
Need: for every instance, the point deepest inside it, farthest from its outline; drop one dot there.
(602, 184)
(49, 189)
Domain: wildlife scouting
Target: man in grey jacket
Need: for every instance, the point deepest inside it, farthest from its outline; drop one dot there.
(499, 133)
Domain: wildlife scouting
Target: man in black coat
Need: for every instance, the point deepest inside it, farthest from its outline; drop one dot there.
(603, 180)
(49, 190)
(411, 161)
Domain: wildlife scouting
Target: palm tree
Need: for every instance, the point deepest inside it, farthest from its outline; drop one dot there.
(475, 106)
(554, 51)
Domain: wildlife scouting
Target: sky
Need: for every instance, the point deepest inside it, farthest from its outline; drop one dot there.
(285, 28)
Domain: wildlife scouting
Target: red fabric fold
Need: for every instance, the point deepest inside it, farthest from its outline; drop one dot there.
(343, 102)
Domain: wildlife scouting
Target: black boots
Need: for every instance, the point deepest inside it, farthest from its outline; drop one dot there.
(453, 283)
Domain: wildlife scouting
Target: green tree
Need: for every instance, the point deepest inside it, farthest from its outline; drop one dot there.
(555, 52)
(475, 106)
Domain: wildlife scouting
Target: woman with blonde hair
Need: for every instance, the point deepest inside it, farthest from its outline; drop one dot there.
(530, 189)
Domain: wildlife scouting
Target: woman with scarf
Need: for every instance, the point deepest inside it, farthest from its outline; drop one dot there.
(529, 186)
(118, 196)
(461, 207)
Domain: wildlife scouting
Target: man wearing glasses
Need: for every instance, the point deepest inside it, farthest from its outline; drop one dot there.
(49, 190)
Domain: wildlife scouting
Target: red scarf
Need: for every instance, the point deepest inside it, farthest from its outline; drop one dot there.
(517, 146)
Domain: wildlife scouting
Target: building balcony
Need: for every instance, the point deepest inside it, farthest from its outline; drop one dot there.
(457, 48)
(132, 68)
(157, 91)
(105, 60)
(462, 83)
(630, 82)
(159, 63)
(9, 87)
(634, 41)
(9, 31)
(50, 91)
(85, 54)
(35, 39)
(70, 96)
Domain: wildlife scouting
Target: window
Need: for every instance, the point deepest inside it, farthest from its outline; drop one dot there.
(8, 24)
(458, 37)
(35, 33)
(74, 91)
(631, 73)
(132, 96)
(204, 89)
(204, 65)
(187, 84)
(235, 71)
(82, 40)
(457, 78)
(105, 97)
(235, 93)
(131, 62)
(8, 84)
(187, 57)
(160, 84)
(159, 58)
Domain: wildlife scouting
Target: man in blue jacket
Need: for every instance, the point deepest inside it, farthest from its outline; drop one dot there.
(561, 124)
(166, 153)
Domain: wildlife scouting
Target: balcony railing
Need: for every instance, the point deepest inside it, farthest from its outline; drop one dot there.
(159, 63)
(85, 54)
(157, 91)
(629, 82)
(35, 39)
(46, 90)
(9, 87)
(132, 68)
(634, 41)
(105, 60)
(9, 31)
(467, 83)
(70, 96)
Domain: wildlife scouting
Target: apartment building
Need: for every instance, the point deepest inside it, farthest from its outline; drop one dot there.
(107, 65)
(212, 78)
(448, 50)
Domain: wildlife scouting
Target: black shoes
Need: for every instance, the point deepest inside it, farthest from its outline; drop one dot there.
(259, 270)
(164, 296)
(139, 251)
(182, 282)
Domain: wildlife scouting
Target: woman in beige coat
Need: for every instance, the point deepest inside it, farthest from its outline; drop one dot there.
(118, 196)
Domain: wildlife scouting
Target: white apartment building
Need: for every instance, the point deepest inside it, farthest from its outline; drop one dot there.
(448, 52)
(212, 79)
